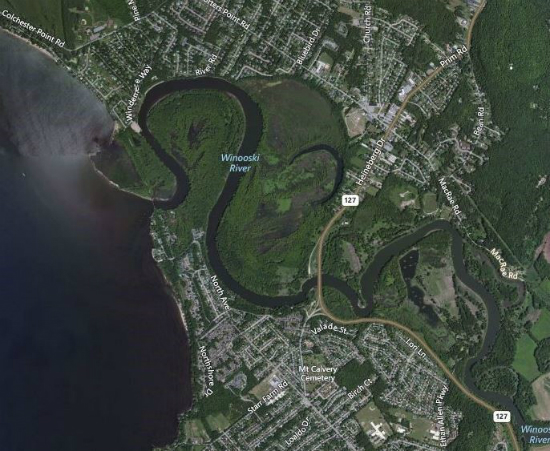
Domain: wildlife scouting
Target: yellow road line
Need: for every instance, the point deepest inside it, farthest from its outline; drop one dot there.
(385, 321)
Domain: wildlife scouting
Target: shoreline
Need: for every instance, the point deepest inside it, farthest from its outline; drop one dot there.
(115, 185)
(150, 199)
(29, 42)
(167, 283)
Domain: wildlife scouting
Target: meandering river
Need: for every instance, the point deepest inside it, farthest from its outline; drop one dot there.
(252, 135)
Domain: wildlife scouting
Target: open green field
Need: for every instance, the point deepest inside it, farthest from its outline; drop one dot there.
(404, 195)
(269, 229)
(114, 9)
(429, 203)
(420, 427)
(194, 429)
(541, 329)
(217, 422)
(439, 22)
(541, 389)
(263, 387)
(524, 360)
(371, 414)
(217, 412)
(512, 64)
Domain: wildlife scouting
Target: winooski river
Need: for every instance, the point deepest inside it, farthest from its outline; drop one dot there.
(93, 352)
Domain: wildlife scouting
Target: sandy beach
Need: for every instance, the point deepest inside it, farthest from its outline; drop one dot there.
(27, 41)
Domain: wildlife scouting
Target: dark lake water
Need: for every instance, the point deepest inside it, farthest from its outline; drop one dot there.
(93, 353)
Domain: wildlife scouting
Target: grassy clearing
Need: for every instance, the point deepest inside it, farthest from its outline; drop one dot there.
(541, 329)
(217, 422)
(541, 389)
(370, 414)
(524, 360)
(115, 9)
(194, 429)
(429, 203)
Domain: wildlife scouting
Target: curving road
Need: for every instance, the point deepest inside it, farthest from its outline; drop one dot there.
(411, 333)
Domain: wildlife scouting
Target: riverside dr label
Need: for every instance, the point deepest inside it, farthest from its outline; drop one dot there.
(137, 88)
(33, 29)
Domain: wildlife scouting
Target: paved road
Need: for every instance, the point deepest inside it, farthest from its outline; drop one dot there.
(411, 333)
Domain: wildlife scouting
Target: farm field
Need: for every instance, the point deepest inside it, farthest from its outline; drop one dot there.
(541, 329)
(524, 361)
(541, 389)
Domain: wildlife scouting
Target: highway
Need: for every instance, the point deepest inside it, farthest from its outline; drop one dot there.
(338, 215)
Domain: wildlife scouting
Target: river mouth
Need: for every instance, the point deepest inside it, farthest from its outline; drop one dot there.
(253, 131)
(254, 125)
(93, 350)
